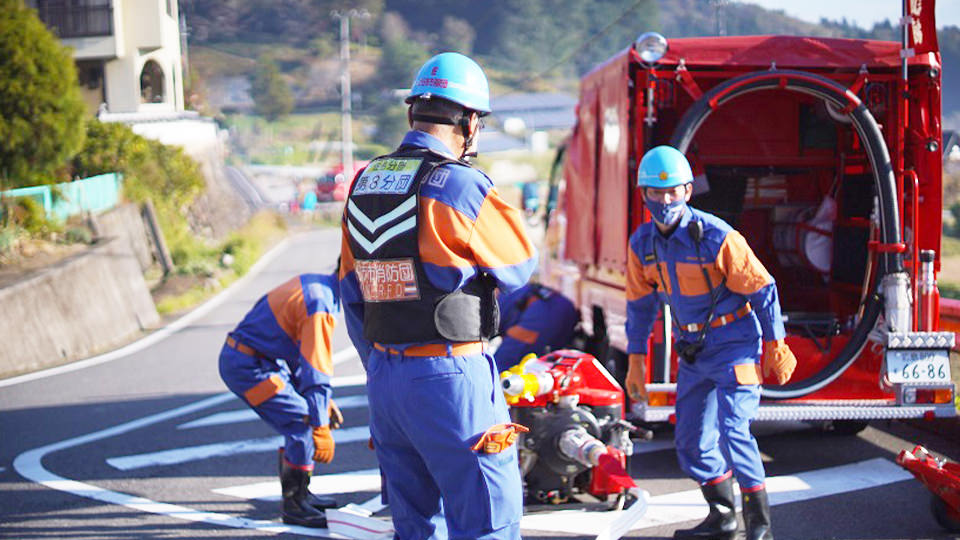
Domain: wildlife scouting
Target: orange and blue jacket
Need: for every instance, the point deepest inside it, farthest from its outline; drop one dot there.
(465, 229)
(294, 322)
(736, 275)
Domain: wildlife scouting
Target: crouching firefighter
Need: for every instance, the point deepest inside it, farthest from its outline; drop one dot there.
(278, 361)
(426, 242)
(533, 319)
(727, 315)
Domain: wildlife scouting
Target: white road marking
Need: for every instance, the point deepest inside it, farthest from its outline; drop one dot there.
(30, 465)
(374, 505)
(359, 379)
(231, 417)
(322, 484)
(205, 451)
(160, 334)
(685, 506)
(664, 509)
(345, 355)
(247, 415)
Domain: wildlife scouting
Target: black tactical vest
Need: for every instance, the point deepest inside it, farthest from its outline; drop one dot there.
(400, 305)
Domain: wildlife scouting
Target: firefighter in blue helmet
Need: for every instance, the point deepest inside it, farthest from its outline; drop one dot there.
(533, 319)
(278, 361)
(727, 315)
(427, 241)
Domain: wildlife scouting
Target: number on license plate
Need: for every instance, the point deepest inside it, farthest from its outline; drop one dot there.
(918, 366)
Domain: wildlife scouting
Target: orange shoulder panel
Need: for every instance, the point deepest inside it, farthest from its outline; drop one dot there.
(744, 271)
(286, 303)
(316, 338)
(444, 234)
(499, 237)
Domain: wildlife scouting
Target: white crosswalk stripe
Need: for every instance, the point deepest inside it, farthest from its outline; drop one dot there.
(323, 484)
(247, 415)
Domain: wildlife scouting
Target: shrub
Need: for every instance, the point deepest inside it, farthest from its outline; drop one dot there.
(152, 171)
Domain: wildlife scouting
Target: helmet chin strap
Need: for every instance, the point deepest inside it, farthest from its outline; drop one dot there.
(467, 138)
(463, 122)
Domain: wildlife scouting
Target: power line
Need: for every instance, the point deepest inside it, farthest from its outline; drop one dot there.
(592, 38)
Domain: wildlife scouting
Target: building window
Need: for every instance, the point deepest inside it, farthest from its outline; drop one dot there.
(170, 4)
(90, 73)
(76, 18)
(152, 83)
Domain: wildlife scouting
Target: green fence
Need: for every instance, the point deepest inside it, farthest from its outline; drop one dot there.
(60, 201)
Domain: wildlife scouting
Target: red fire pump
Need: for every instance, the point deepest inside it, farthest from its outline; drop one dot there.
(943, 481)
(578, 439)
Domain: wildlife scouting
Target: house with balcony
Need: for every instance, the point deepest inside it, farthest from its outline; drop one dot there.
(128, 52)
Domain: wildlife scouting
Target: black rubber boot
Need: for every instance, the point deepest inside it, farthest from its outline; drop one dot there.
(756, 515)
(721, 522)
(295, 510)
(317, 501)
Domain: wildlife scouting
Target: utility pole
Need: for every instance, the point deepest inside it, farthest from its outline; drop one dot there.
(346, 103)
(719, 18)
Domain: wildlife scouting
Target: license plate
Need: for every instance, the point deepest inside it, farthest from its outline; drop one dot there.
(918, 366)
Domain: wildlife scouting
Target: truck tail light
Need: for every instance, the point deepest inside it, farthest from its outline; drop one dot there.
(927, 396)
(661, 399)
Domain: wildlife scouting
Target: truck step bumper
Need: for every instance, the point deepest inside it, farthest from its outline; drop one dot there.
(858, 411)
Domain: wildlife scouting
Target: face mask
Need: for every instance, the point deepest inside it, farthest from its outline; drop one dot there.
(666, 214)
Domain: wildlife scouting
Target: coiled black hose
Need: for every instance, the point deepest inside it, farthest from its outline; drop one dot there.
(841, 98)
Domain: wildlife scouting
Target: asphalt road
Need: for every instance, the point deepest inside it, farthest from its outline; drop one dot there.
(150, 445)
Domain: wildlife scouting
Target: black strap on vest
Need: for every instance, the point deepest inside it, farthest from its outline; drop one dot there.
(689, 351)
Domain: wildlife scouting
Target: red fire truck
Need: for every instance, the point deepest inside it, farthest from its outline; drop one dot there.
(825, 154)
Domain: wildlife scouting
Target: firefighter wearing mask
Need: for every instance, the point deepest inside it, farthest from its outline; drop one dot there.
(533, 319)
(278, 361)
(427, 241)
(726, 312)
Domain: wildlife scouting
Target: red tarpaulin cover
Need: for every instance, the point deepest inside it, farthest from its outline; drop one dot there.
(579, 171)
(612, 176)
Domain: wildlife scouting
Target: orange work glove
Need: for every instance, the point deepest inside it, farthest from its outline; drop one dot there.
(322, 444)
(637, 377)
(336, 417)
(779, 360)
(498, 438)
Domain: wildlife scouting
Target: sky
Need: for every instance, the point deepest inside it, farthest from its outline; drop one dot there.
(863, 13)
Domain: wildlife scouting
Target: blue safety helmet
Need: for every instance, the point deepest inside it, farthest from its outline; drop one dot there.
(664, 167)
(454, 77)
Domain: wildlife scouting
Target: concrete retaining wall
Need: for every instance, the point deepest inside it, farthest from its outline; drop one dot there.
(126, 223)
(79, 307)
